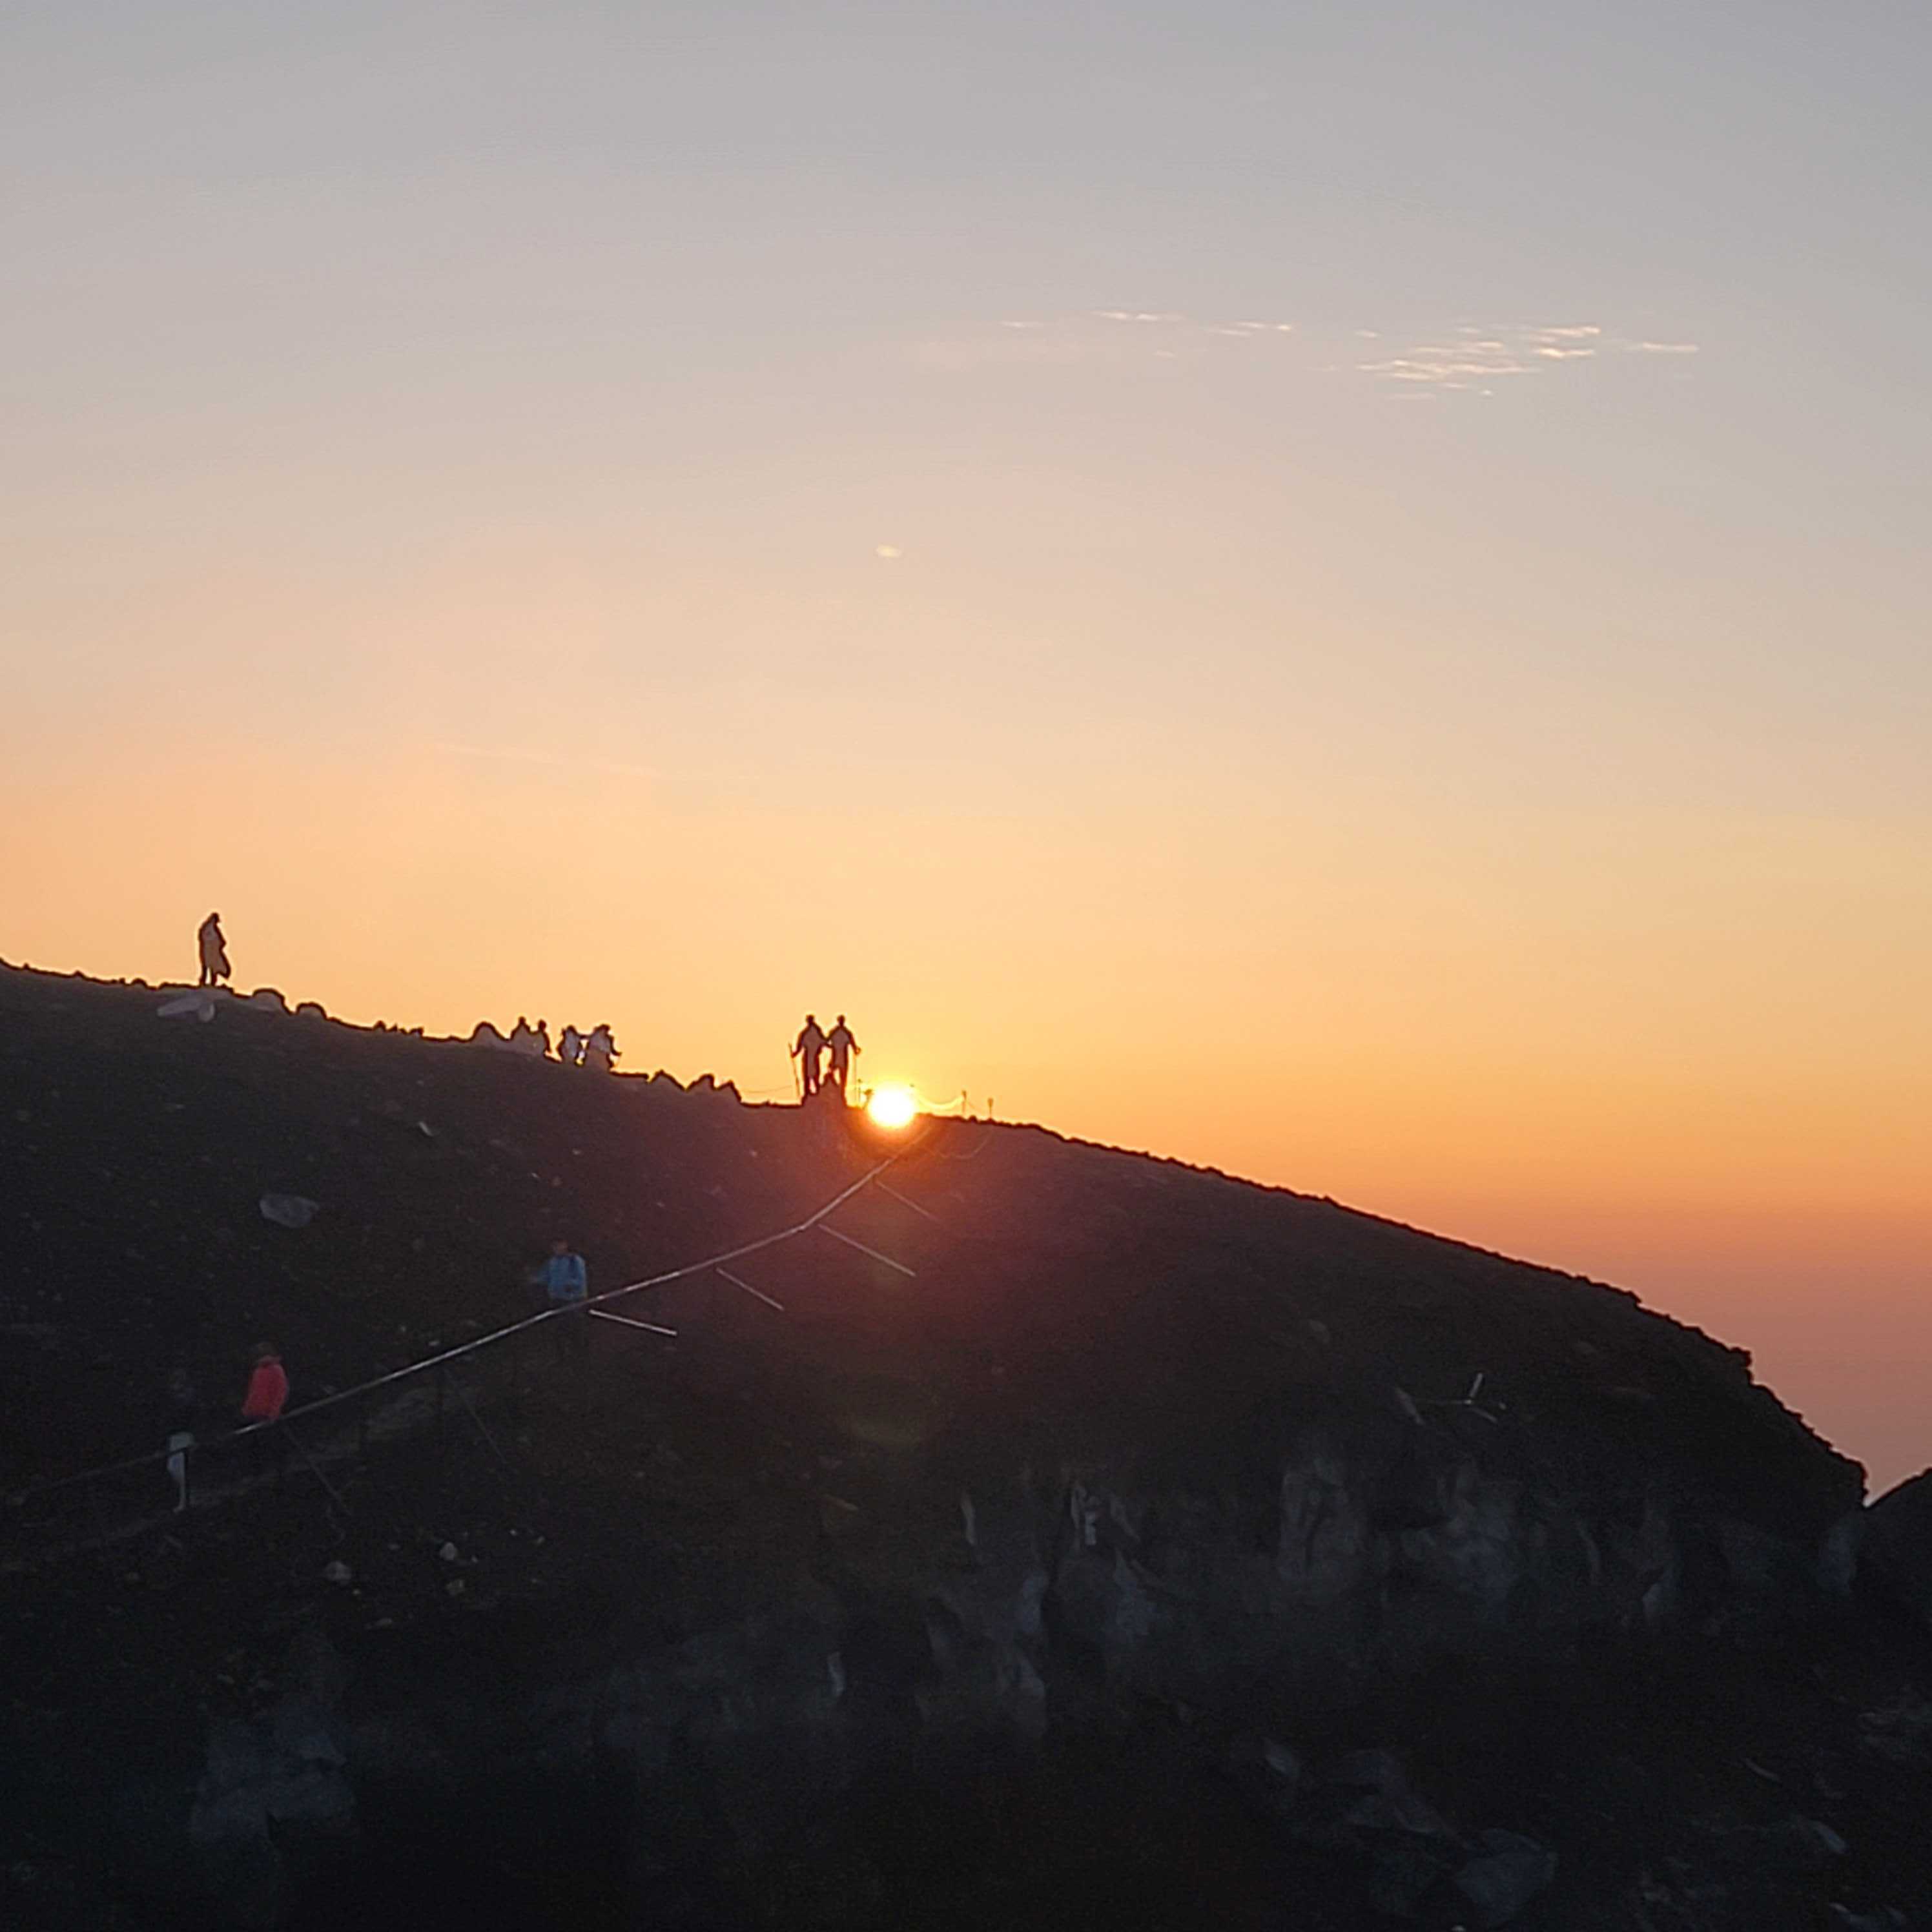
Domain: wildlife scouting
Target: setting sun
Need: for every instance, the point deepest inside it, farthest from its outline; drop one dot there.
(892, 1107)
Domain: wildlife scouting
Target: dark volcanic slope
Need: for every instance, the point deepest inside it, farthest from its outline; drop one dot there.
(941, 1599)
(1069, 1301)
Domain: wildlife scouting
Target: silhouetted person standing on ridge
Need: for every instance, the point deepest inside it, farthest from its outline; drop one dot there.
(806, 1050)
(214, 967)
(841, 1046)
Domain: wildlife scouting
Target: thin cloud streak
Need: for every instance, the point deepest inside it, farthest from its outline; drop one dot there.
(1469, 356)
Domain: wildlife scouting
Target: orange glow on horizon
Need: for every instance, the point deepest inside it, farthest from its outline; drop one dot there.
(1701, 1083)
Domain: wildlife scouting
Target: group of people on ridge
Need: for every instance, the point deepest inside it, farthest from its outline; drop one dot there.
(812, 1047)
(596, 1050)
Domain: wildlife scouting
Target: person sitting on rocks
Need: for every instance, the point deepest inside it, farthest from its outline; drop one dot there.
(525, 1039)
(214, 967)
(600, 1050)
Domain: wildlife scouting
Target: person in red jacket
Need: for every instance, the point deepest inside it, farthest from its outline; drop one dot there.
(268, 1386)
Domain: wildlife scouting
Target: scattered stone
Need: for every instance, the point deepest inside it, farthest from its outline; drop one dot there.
(1827, 1840)
(289, 1210)
(338, 1573)
(1900, 1733)
(1267, 1772)
(448, 1552)
(1507, 1872)
(1406, 1869)
(1390, 1802)
(1894, 1558)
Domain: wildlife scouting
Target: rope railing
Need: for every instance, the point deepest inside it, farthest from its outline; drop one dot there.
(443, 1356)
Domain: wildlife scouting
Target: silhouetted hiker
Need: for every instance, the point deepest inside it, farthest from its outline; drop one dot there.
(841, 1046)
(600, 1050)
(214, 967)
(543, 1039)
(806, 1050)
(566, 1283)
(570, 1046)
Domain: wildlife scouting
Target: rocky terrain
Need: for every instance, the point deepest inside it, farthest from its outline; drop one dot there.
(1099, 1541)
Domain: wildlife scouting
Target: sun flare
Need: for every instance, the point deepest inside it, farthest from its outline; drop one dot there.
(892, 1107)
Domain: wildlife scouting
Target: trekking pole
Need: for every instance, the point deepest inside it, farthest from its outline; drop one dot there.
(301, 1450)
(463, 1397)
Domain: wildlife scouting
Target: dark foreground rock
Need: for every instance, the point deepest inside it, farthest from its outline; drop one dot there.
(1160, 1550)
(1893, 1559)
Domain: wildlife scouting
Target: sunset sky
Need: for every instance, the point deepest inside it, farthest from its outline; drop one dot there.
(1342, 592)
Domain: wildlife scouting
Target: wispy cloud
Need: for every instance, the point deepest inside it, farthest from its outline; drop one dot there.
(1474, 353)
(1467, 362)
(1173, 318)
(1474, 356)
(1096, 334)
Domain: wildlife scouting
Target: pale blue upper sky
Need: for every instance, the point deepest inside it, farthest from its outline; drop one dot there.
(338, 282)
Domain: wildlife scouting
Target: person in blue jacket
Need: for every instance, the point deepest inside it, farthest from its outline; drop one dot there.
(566, 1284)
